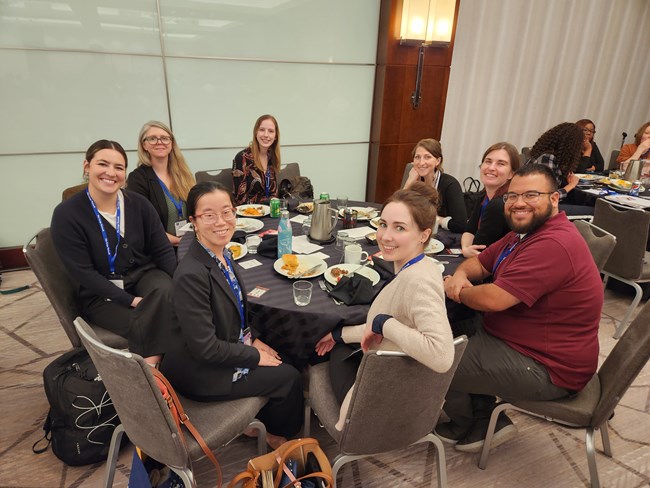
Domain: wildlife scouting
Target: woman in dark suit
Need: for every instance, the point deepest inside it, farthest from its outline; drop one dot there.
(214, 354)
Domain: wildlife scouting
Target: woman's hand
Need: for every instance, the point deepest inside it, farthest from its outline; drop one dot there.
(267, 359)
(370, 340)
(412, 178)
(325, 345)
(135, 302)
(473, 250)
(642, 149)
(261, 346)
(573, 181)
(173, 239)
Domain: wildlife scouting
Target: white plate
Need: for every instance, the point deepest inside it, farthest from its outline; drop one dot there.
(249, 225)
(369, 273)
(440, 265)
(374, 222)
(244, 249)
(362, 213)
(589, 177)
(304, 263)
(434, 246)
(264, 210)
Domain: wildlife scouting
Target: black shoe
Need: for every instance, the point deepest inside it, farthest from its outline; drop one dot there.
(474, 440)
(450, 432)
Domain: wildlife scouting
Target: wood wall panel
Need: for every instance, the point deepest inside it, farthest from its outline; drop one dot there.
(396, 125)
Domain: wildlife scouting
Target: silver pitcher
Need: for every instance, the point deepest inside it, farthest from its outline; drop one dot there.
(634, 169)
(323, 221)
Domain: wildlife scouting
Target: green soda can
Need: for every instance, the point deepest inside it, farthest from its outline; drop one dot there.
(324, 196)
(275, 207)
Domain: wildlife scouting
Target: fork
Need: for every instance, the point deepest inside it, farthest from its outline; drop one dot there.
(323, 286)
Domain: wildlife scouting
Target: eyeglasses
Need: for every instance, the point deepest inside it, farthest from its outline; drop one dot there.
(589, 131)
(211, 217)
(153, 139)
(528, 197)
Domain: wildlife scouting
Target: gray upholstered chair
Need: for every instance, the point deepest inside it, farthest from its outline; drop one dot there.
(601, 243)
(59, 288)
(289, 170)
(148, 423)
(525, 154)
(407, 170)
(223, 176)
(73, 190)
(594, 405)
(630, 262)
(396, 402)
(612, 159)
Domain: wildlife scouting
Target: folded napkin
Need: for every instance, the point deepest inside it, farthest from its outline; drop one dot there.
(386, 269)
(448, 238)
(358, 232)
(269, 246)
(239, 236)
(355, 290)
(301, 245)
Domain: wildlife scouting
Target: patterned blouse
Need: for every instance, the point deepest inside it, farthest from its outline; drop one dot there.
(250, 184)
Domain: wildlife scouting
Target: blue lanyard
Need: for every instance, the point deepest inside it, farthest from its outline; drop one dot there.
(177, 203)
(504, 254)
(268, 180)
(111, 257)
(486, 200)
(416, 259)
(234, 286)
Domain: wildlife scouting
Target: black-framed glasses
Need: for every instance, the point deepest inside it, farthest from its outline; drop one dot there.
(154, 139)
(212, 217)
(528, 196)
(589, 131)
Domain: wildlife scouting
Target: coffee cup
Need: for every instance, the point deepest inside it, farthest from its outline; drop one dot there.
(354, 254)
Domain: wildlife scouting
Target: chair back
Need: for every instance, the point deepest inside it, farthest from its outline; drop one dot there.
(48, 268)
(396, 401)
(525, 154)
(600, 242)
(73, 190)
(623, 364)
(630, 226)
(287, 171)
(223, 176)
(612, 159)
(405, 176)
(137, 399)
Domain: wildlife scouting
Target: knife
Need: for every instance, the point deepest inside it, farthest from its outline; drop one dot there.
(309, 271)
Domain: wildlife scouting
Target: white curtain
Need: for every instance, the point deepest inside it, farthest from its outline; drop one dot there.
(522, 66)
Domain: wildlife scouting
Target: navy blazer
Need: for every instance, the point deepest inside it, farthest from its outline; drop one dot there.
(205, 346)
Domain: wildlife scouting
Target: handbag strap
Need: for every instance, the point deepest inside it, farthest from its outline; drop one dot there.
(185, 420)
(286, 450)
(241, 477)
(317, 474)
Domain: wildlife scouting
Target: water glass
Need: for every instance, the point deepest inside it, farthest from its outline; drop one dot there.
(341, 203)
(302, 292)
(252, 243)
(306, 226)
(342, 239)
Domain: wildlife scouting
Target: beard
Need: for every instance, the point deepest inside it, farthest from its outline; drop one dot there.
(539, 219)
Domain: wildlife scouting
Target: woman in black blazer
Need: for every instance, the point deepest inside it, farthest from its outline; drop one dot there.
(215, 354)
(113, 246)
(162, 176)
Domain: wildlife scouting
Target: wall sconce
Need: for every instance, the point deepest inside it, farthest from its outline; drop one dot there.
(426, 23)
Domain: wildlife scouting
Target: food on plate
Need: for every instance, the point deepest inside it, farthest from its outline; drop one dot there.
(290, 263)
(305, 207)
(235, 250)
(338, 273)
(254, 211)
(621, 183)
(371, 238)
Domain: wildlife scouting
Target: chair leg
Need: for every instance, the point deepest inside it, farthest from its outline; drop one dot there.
(261, 435)
(441, 463)
(113, 453)
(604, 434)
(482, 463)
(307, 427)
(186, 476)
(591, 457)
(630, 309)
(342, 459)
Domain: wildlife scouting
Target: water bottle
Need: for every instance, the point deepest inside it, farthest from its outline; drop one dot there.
(284, 234)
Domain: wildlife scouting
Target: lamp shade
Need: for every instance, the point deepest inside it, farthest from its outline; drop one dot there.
(427, 22)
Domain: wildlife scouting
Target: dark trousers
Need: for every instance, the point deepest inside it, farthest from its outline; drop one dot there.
(147, 326)
(282, 385)
(343, 369)
(489, 367)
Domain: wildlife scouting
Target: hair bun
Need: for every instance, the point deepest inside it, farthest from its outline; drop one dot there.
(427, 191)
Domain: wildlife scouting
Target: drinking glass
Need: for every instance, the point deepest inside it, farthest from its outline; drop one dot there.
(306, 226)
(342, 239)
(341, 203)
(302, 292)
(252, 243)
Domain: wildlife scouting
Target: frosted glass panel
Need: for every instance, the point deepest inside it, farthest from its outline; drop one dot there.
(337, 169)
(129, 26)
(290, 30)
(66, 101)
(314, 104)
(30, 188)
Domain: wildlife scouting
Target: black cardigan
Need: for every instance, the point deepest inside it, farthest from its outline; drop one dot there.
(493, 224)
(596, 159)
(452, 203)
(78, 241)
(143, 180)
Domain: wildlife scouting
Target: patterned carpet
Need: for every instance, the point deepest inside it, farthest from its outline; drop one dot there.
(542, 454)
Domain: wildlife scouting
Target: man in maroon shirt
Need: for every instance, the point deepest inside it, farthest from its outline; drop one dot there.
(539, 339)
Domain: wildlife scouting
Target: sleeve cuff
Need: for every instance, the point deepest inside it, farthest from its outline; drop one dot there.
(337, 335)
(378, 323)
(444, 222)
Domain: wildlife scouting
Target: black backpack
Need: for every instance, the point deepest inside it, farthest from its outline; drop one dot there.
(82, 418)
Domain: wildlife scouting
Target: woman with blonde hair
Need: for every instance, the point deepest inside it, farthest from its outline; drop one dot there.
(162, 176)
(255, 169)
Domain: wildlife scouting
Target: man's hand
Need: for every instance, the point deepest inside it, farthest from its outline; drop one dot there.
(473, 250)
(262, 347)
(454, 284)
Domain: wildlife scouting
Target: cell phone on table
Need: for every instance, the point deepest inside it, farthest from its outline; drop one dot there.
(455, 251)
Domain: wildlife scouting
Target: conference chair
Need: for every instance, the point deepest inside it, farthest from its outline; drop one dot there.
(73, 190)
(287, 171)
(405, 176)
(59, 288)
(612, 159)
(600, 242)
(592, 407)
(148, 423)
(223, 176)
(396, 403)
(525, 154)
(629, 262)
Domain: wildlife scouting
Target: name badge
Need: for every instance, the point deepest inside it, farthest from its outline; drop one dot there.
(117, 280)
(247, 336)
(177, 228)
